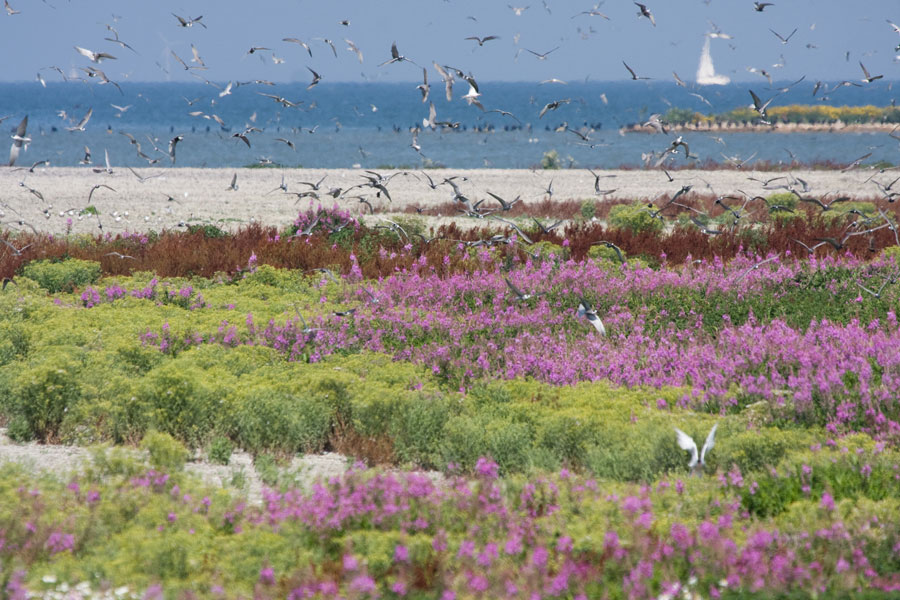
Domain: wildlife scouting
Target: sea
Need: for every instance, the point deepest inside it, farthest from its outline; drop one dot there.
(369, 125)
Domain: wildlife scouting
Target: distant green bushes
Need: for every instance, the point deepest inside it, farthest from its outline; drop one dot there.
(794, 113)
(62, 276)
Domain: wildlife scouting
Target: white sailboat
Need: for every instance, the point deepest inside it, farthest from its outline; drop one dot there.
(706, 73)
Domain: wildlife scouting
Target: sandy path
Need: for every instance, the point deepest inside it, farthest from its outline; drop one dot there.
(239, 474)
(176, 196)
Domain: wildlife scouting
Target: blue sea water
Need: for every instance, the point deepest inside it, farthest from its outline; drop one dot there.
(369, 124)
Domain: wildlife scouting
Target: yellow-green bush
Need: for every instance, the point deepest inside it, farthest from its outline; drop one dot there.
(43, 393)
(63, 276)
(633, 217)
(164, 452)
(269, 418)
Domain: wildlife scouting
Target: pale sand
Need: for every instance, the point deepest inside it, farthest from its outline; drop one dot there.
(202, 196)
(239, 474)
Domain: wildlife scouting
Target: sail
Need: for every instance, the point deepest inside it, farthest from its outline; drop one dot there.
(706, 73)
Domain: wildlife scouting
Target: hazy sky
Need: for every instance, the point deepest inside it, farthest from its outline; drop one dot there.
(45, 31)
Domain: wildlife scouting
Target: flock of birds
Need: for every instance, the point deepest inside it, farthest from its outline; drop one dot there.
(374, 185)
(737, 210)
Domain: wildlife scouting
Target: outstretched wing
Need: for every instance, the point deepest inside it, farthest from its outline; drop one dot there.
(685, 442)
(513, 288)
(708, 445)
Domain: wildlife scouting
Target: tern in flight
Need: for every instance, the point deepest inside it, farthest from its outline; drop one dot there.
(84, 121)
(189, 22)
(634, 76)
(20, 140)
(698, 459)
(643, 11)
(95, 57)
(586, 310)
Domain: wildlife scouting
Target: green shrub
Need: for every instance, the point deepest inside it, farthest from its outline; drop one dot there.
(785, 199)
(546, 248)
(176, 399)
(19, 430)
(62, 276)
(411, 224)
(634, 217)
(680, 116)
(42, 395)
(892, 253)
(209, 231)
(551, 160)
(588, 210)
(761, 449)
(165, 452)
(268, 419)
(604, 253)
(843, 209)
(220, 450)
(14, 341)
(267, 469)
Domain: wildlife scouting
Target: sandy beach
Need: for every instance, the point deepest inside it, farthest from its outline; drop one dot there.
(173, 197)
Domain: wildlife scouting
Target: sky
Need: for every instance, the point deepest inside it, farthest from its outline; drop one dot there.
(44, 34)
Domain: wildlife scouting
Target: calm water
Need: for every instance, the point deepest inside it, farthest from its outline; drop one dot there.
(368, 124)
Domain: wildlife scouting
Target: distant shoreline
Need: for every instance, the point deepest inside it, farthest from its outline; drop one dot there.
(735, 127)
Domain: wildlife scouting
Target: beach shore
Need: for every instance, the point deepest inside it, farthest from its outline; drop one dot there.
(175, 197)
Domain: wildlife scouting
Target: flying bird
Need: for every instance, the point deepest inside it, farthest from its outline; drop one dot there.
(520, 295)
(542, 56)
(189, 22)
(586, 310)
(84, 121)
(481, 41)
(553, 106)
(634, 77)
(612, 247)
(424, 87)
(353, 48)
(316, 79)
(868, 78)
(698, 460)
(760, 107)
(287, 142)
(172, 143)
(784, 40)
(95, 57)
(504, 205)
(643, 11)
(761, 6)
(304, 44)
(396, 57)
(20, 141)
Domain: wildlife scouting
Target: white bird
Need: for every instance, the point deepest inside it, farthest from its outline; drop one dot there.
(471, 97)
(83, 122)
(586, 310)
(686, 442)
(19, 140)
(355, 49)
(95, 57)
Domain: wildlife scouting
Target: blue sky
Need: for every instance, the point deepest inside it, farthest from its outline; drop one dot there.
(45, 31)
